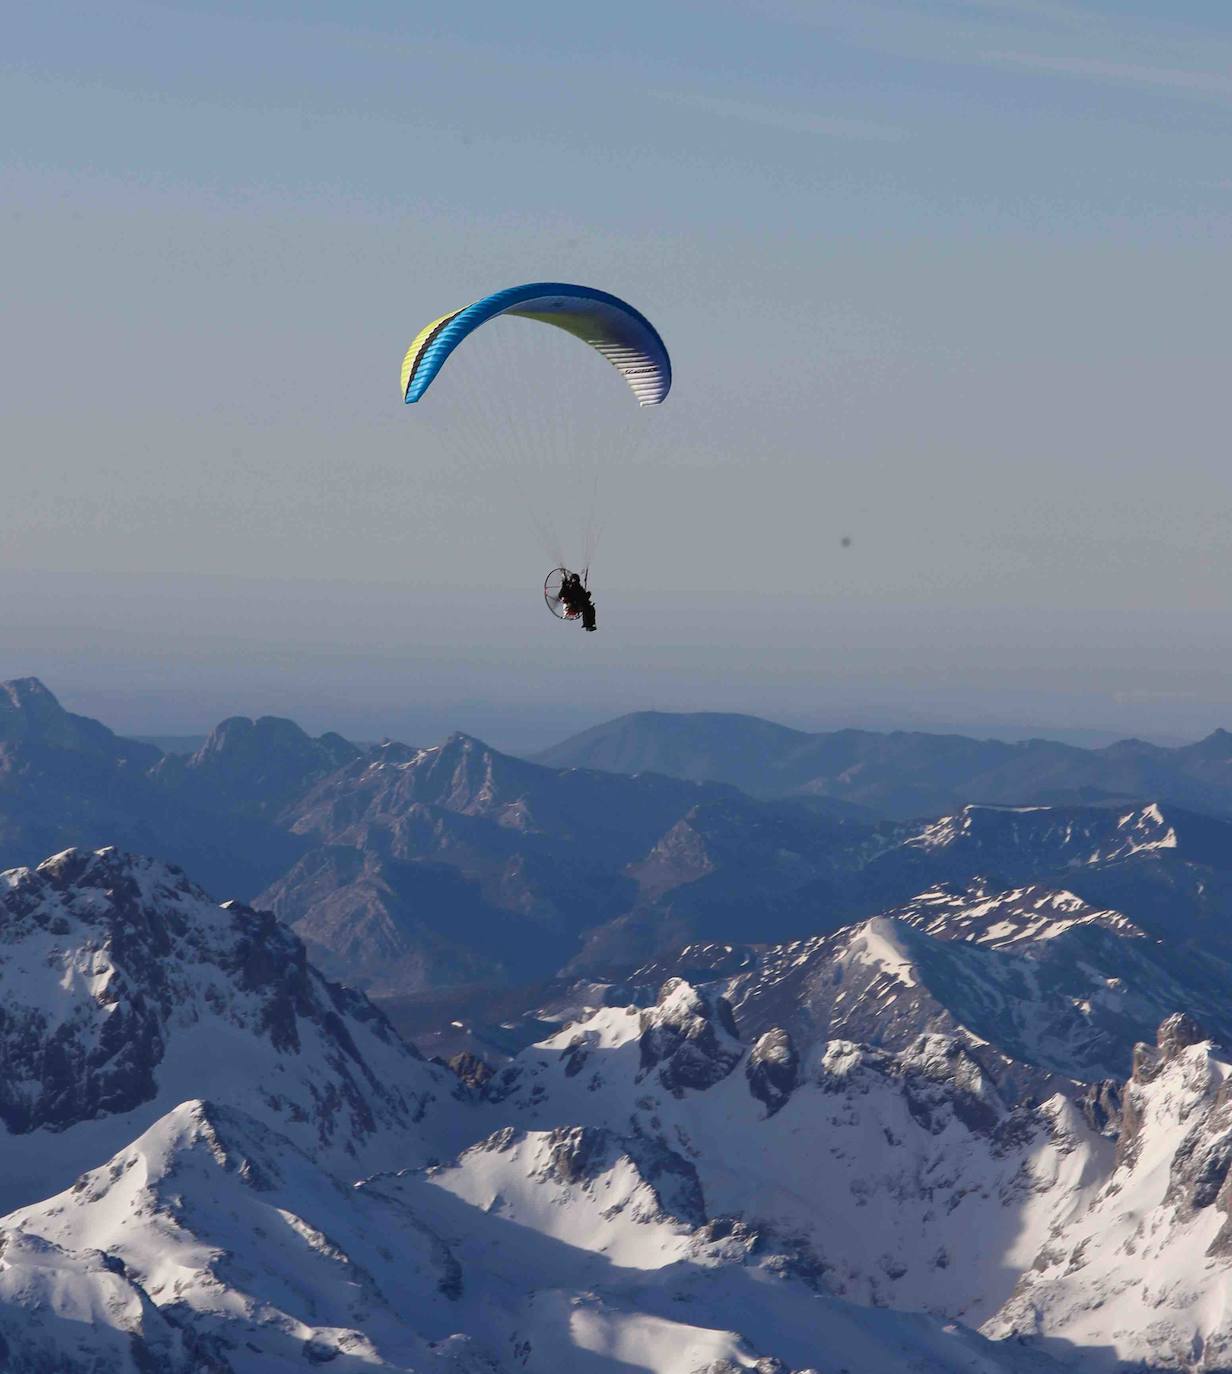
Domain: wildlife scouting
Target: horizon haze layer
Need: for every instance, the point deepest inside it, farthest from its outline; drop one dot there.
(175, 654)
(944, 280)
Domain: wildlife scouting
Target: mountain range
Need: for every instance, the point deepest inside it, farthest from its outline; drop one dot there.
(409, 870)
(902, 774)
(741, 1076)
(984, 1133)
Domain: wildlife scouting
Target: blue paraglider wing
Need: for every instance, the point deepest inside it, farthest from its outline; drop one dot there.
(624, 336)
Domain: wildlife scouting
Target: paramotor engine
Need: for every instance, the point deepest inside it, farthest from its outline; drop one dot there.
(552, 585)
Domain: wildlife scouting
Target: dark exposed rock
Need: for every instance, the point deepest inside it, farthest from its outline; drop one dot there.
(1101, 1107)
(1178, 1032)
(471, 1069)
(673, 1179)
(1200, 1167)
(579, 1154)
(768, 1364)
(940, 1080)
(942, 1076)
(690, 1035)
(772, 1068)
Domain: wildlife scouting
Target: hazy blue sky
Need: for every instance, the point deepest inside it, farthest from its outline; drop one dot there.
(948, 277)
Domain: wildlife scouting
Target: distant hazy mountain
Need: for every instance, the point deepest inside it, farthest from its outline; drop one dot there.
(67, 781)
(750, 872)
(406, 870)
(395, 927)
(173, 744)
(253, 766)
(903, 773)
(1168, 869)
(458, 862)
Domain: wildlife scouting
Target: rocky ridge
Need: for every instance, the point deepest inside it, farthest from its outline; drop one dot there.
(124, 988)
(1140, 1274)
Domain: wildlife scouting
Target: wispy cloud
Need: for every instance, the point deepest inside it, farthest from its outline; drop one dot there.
(1159, 53)
(1036, 11)
(1100, 69)
(785, 119)
(1047, 10)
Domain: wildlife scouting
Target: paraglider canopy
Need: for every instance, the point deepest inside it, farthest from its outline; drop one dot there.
(612, 327)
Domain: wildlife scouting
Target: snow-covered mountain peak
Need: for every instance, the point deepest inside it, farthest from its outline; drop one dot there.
(1177, 1033)
(773, 1068)
(1001, 919)
(969, 821)
(631, 1197)
(101, 887)
(239, 1236)
(845, 1154)
(1034, 979)
(126, 990)
(1144, 830)
(690, 1036)
(1074, 836)
(660, 1216)
(1144, 1270)
(939, 1077)
(229, 1140)
(880, 944)
(597, 1230)
(68, 1311)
